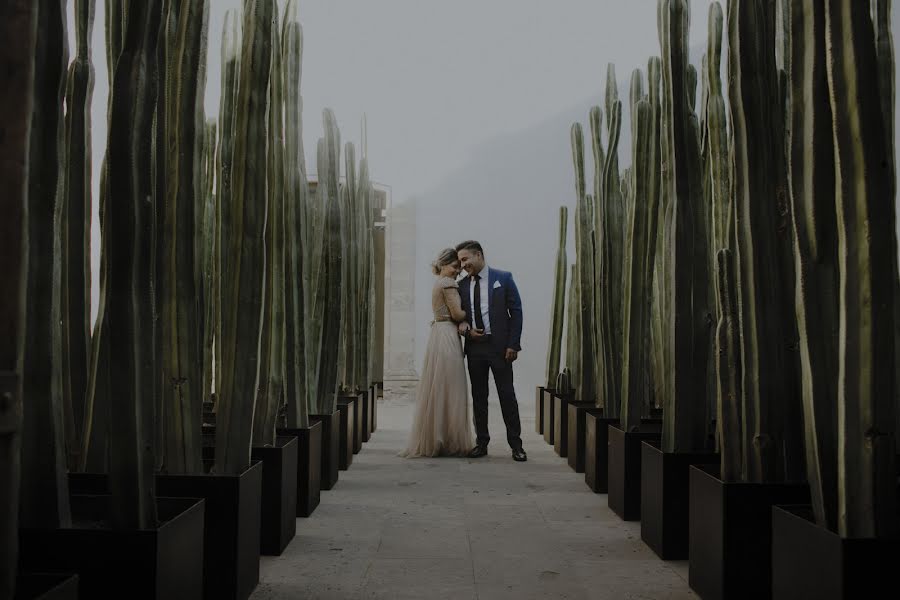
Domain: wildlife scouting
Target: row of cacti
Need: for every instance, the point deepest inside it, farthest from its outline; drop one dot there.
(745, 224)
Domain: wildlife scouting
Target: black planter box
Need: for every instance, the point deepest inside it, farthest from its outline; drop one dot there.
(664, 498)
(278, 518)
(576, 430)
(596, 448)
(347, 425)
(811, 562)
(161, 563)
(539, 410)
(561, 424)
(379, 393)
(549, 424)
(309, 468)
(365, 403)
(373, 397)
(730, 540)
(46, 586)
(331, 449)
(624, 456)
(231, 527)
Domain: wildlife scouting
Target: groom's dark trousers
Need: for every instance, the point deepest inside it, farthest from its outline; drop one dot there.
(483, 358)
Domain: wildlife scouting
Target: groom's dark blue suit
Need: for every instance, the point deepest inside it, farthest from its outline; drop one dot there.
(488, 354)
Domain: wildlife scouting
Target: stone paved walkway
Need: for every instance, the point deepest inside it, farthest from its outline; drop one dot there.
(459, 529)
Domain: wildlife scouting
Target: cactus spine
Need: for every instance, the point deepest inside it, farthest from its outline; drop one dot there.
(867, 263)
(559, 300)
(245, 218)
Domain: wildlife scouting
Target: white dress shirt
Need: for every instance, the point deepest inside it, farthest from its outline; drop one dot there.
(485, 299)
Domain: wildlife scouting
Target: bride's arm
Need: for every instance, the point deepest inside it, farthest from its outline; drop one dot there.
(454, 303)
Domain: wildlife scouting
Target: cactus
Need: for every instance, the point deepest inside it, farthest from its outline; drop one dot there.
(130, 279)
(332, 264)
(295, 200)
(270, 391)
(584, 245)
(563, 383)
(44, 489)
(728, 369)
(559, 300)
(18, 22)
(768, 324)
(244, 220)
(179, 243)
(209, 272)
(867, 282)
(74, 221)
(639, 252)
(573, 322)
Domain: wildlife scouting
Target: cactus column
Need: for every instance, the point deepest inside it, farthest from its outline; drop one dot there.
(585, 386)
(243, 256)
(559, 302)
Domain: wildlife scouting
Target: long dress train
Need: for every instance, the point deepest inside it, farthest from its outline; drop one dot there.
(442, 425)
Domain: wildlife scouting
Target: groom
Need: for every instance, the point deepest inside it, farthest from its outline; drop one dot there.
(493, 330)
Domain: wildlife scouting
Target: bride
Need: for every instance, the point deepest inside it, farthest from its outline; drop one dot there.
(442, 421)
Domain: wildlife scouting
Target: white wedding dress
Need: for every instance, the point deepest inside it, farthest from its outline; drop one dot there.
(442, 425)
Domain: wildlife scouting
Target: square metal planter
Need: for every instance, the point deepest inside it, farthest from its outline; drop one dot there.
(730, 539)
(160, 563)
(331, 449)
(664, 498)
(624, 456)
(539, 410)
(549, 423)
(596, 449)
(366, 404)
(278, 519)
(309, 467)
(577, 417)
(46, 586)
(561, 423)
(346, 406)
(811, 562)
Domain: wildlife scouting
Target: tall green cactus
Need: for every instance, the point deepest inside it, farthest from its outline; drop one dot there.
(270, 391)
(295, 200)
(129, 310)
(18, 22)
(867, 263)
(639, 254)
(243, 291)
(209, 273)
(585, 387)
(179, 243)
(75, 231)
(728, 369)
(764, 257)
(573, 323)
(559, 301)
(332, 264)
(44, 488)
(812, 181)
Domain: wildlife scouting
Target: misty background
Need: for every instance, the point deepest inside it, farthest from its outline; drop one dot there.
(469, 105)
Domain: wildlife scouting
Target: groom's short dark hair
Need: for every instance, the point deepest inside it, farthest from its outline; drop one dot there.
(470, 245)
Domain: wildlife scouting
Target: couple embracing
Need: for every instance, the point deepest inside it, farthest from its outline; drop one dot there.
(484, 309)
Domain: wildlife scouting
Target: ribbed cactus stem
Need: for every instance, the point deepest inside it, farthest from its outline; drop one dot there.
(244, 253)
(75, 231)
(44, 487)
(728, 369)
(584, 244)
(559, 300)
(867, 263)
(295, 200)
(573, 323)
(130, 220)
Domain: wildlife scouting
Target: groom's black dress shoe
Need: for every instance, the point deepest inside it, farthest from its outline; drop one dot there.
(519, 455)
(478, 452)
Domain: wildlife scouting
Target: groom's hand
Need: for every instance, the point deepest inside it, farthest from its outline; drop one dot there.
(463, 328)
(511, 355)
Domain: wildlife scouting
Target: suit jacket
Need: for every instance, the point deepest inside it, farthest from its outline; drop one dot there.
(505, 310)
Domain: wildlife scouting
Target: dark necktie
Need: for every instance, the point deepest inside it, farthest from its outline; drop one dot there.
(476, 308)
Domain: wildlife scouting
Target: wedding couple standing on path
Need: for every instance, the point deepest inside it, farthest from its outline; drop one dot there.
(486, 310)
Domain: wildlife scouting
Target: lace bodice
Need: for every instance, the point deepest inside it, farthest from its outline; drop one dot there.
(445, 301)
